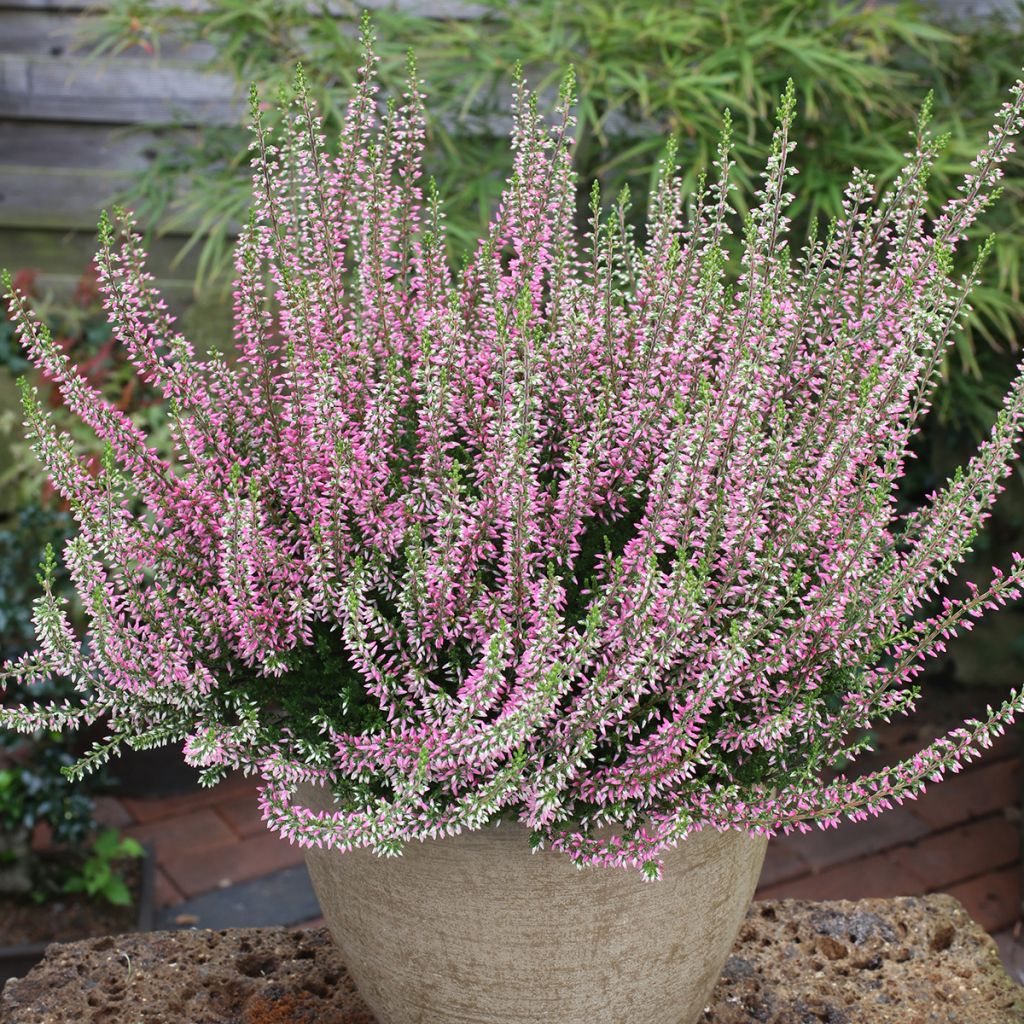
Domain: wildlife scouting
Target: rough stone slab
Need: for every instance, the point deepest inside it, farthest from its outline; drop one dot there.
(902, 961)
(911, 960)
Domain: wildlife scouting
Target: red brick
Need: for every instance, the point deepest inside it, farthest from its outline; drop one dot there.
(147, 810)
(316, 922)
(42, 836)
(1010, 744)
(895, 740)
(899, 748)
(199, 871)
(781, 863)
(1007, 745)
(187, 833)
(166, 892)
(876, 876)
(111, 813)
(902, 732)
(945, 858)
(851, 840)
(242, 813)
(992, 900)
(891, 747)
(983, 788)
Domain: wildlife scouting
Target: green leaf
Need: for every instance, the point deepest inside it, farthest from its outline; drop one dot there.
(117, 892)
(106, 843)
(131, 848)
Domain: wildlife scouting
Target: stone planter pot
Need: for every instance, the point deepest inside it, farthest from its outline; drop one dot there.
(477, 929)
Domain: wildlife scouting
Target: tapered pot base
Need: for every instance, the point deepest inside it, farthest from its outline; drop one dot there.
(478, 929)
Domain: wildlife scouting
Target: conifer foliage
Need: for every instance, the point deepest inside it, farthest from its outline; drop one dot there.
(578, 534)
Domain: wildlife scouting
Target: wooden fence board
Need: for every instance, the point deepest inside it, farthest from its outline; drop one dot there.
(60, 257)
(35, 32)
(65, 144)
(59, 33)
(57, 198)
(336, 8)
(69, 6)
(70, 252)
(115, 92)
(62, 252)
(60, 175)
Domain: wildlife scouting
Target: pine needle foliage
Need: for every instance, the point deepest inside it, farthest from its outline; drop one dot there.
(593, 530)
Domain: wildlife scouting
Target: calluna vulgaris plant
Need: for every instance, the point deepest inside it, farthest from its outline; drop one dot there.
(577, 534)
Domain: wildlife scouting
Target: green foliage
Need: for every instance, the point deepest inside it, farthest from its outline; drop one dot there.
(36, 792)
(328, 688)
(23, 535)
(98, 876)
(79, 325)
(643, 69)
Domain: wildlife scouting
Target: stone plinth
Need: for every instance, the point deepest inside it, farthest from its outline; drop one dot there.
(902, 961)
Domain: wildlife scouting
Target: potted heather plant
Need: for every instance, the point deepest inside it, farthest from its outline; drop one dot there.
(537, 594)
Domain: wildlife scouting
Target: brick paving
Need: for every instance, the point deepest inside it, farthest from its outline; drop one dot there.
(207, 840)
(962, 837)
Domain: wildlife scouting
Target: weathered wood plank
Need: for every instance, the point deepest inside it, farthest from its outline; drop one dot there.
(46, 197)
(44, 5)
(60, 175)
(137, 93)
(60, 33)
(61, 287)
(61, 257)
(61, 144)
(178, 291)
(70, 252)
(34, 32)
(61, 252)
(57, 199)
(336, 8)
(125, 92)
(205, 320)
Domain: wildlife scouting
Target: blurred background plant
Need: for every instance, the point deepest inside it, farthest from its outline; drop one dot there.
(646, 69)
(80, 327)
(36, 800)
(50, 840)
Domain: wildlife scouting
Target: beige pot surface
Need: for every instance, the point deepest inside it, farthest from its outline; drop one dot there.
(477, 929)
